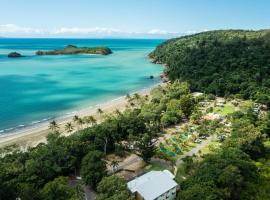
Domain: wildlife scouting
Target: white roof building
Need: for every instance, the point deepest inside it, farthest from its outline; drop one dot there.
(154, 185)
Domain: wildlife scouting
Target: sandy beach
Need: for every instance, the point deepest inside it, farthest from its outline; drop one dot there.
(32, 136)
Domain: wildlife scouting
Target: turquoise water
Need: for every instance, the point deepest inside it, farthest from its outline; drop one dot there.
(35, 89)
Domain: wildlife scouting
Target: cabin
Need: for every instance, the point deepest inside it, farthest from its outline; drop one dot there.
(154, 185)
(220, 102)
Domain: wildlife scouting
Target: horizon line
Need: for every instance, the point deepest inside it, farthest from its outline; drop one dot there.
(146, 38)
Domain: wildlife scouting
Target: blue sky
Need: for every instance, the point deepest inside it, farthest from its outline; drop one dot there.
(128, 18)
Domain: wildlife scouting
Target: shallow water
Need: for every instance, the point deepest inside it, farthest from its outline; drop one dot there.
(39, 88)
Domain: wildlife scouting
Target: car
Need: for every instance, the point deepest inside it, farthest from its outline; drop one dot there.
(202, 137)
(221, 138)
(197, 140)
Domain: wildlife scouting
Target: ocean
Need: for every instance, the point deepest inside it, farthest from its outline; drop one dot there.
(35, 89)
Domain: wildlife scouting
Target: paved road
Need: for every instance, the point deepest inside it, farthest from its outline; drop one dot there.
(195, 150)
(89, 193)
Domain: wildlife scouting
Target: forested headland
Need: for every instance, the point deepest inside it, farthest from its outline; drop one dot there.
(221, 62)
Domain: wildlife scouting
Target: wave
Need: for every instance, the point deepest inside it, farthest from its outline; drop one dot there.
(35, 122)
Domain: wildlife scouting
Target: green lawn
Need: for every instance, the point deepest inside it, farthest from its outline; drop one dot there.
(155, 167)
(180, 175)
(210, 147)
(227, 109)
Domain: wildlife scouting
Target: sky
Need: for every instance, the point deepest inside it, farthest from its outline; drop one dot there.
(128, 18)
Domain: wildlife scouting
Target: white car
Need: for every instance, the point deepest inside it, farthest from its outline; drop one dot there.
(197, 140)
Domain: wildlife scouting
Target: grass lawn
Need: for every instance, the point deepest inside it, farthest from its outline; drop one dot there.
(155, 167)
(210, 147)
(180, 175)
(227, 109)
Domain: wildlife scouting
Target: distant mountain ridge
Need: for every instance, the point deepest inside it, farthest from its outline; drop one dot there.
(223, 62)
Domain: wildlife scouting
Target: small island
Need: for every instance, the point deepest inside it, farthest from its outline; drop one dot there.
(14, 55)
(71, 49)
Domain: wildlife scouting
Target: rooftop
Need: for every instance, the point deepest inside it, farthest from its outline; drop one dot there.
(152, 184)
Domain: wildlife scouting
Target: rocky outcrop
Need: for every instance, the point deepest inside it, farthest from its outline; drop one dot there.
(14, 55)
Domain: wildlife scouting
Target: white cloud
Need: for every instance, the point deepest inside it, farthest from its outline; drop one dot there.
(12, 28)
(161, 32)
(85, 31)
(15, 30)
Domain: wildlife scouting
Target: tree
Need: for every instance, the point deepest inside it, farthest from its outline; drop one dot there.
(221, 62)
(59, 189)
(113, 188)
(93, 168)
(230, 180)
(265, 126)
(118, 112)
(177, 89)
(69, 127)
(227, 172)
(173, 113)
(247, 137)
(168, 118)
(80, 122)
(187, 104)
(100, 111)
(90, 120)
(26, 191)
(199, 191)
(75, 118)
(53, 126)
(145, 146)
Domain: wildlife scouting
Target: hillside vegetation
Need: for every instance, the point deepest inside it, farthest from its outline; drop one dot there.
(220, 62)
(71, 49)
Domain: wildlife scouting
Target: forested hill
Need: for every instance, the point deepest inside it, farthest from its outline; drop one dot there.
(220, 62)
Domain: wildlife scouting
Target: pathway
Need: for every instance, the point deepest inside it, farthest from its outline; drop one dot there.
(128, 163)
(195, 150)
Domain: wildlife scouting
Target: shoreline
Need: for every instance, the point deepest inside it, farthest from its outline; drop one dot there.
(32, 136)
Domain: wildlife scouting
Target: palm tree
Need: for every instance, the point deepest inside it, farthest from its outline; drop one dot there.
(69, 127)
(90, 120)
(75, 118)
(135, 100)
(136, 96)
(146, 97)
(100, 111)
(114, 165)
(118, 112)
(80, 122)
(53, 125)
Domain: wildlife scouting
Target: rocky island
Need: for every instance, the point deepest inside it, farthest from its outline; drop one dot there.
(71, 49)
(14, 55)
